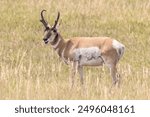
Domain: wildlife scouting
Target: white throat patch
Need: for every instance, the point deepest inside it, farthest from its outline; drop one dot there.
(55, 46)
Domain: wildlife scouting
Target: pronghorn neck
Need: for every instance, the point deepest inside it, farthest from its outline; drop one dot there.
(58, 44)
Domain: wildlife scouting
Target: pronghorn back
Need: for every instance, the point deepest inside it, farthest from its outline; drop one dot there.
(92, 44)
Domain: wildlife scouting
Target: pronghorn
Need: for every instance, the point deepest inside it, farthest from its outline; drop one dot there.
(84, 51)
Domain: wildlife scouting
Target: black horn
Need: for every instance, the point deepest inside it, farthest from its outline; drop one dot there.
(43, 20)
(56, 21)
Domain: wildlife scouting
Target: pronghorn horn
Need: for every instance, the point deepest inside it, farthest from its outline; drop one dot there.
(43, 20)
(56, 21)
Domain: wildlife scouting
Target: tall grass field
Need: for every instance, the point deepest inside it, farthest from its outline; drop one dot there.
(29, 69)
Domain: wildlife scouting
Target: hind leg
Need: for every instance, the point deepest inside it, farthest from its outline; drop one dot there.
(111, 64)
(113, 72)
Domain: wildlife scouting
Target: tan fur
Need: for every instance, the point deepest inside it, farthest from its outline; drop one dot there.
(104, 43)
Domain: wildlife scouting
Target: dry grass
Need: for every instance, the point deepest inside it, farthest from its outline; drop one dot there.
(31, 70)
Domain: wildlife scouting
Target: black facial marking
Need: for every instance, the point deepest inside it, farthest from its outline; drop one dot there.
(45, 40)
(46, 29)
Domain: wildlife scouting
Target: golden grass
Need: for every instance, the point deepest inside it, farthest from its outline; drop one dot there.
(31, 70)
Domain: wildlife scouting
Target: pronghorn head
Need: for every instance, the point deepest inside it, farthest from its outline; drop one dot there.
(50, 33)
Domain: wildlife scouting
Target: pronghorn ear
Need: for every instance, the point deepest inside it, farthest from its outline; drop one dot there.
(57, 26)
(54, 30)
(47, 28)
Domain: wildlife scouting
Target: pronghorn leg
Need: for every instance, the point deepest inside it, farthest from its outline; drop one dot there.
(116, 77)
(119, 78)
(72, 74)
(113, 72)
(111, 64)
(80, 70)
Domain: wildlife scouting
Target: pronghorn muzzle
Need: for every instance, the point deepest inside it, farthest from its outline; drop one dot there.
(46, 41)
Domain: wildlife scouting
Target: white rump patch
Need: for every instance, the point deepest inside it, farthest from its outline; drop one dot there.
(117, 44)
(88, 56)
(119, 47)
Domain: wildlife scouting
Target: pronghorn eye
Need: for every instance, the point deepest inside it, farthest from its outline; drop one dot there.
(55, 30)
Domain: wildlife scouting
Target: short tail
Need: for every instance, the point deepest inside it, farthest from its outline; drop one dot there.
(120, 51)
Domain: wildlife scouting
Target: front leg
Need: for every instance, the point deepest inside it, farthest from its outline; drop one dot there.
(73, 73)
(80, 70)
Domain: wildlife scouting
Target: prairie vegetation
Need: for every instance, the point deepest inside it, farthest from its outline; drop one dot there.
(29, 69)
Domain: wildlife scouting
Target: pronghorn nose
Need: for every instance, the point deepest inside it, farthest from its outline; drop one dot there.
(45, 40)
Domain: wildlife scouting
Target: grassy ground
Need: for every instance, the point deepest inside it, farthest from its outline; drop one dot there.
(31, 70)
